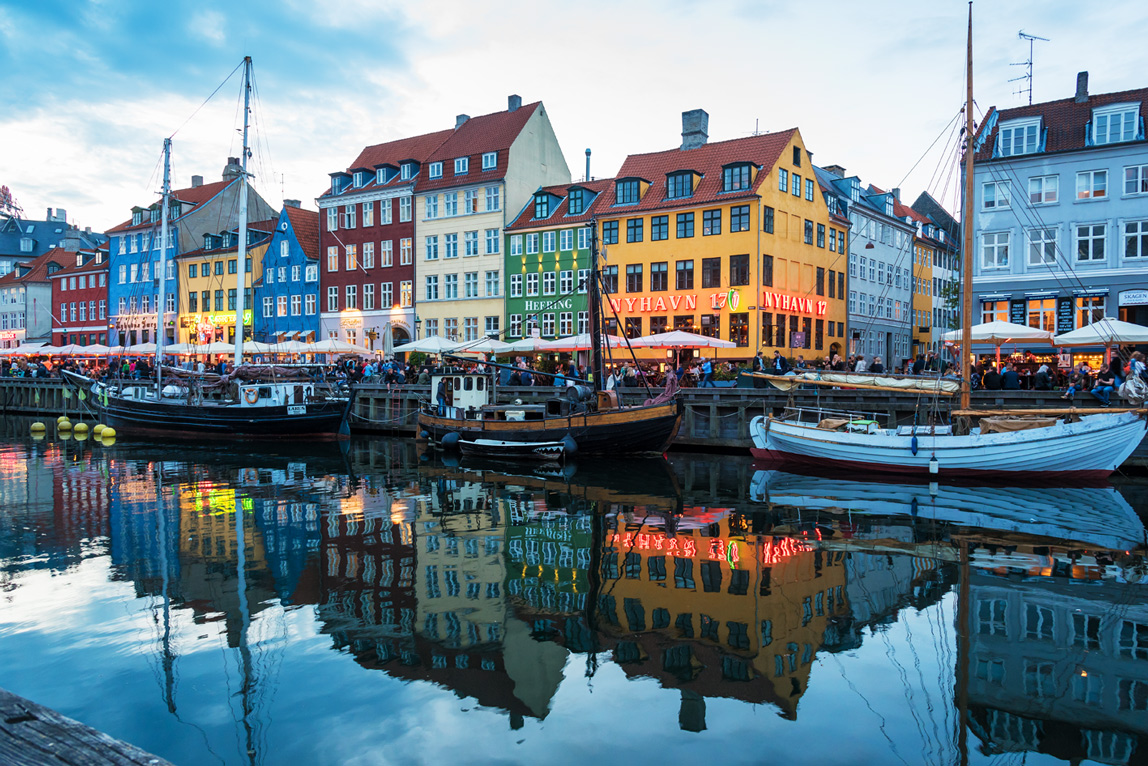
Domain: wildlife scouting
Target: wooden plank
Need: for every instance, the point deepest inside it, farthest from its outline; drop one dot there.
(34, 735)
(1047, 411)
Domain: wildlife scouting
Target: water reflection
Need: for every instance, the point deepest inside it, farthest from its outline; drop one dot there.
(517, 592)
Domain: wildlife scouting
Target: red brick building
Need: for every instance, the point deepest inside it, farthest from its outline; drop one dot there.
(80, 299)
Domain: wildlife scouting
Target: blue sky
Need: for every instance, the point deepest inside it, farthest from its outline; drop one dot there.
(93, 86)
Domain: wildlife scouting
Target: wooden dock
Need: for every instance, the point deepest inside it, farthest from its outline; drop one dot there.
(33, 735)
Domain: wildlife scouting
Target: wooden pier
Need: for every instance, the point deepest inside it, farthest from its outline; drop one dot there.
(33, 735)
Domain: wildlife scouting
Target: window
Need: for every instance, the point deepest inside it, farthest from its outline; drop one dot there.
(368, 218)
(994, 195)
(1136, 239)
(489, 160)
(492, 198)
(450, 246)
(432, 328)
(435, 170)
(1133, 640)
(685, 225)
(819, 285)
(332, 258)
(515, 285)
(532, 244)
(515, 328)
(627, 192)
(332, 298)
(584, 322)
(1017, 137)
(431, 205)
(659, 276)
(1090, 242)
(548, 325)
(685, 275)
(583, 281)
(352, 257)
(821, 235)
(566, 323)
(312, 273)
(332, 219)
(548, 242)
(782, 179)
(470, 284)
(634, 278)
(470, 243)
(461, 166)
(679, 185)
(994, 250)
(795, 185)
(296, 305)
(833, 240)
(268, 306)
(566, 282)
(232, 267)
(1089, 309)
(541, 206)
(1136, 179)
(738, 218)
(659, 227)
(610, 279)
(432, 287)
(808, 232)
(1092, 184)
(565, 239)
(193, 303)
(1041, 247)
(767, 219)
(450, 287)
(281, 306)
(532, 284)
(1115, 124)
(735, 178)
(1043, 190)
(610, 233)
(384, 211)
(352, 297)
(349, 216)
(711, 272)
(406, 294)
(711, 222)
(809, 189)
(404, 208)
(1042, 314)
(767, 270)
(386, 254)
(634, 229)
(516, 245)
(738, 270)
(492, 284)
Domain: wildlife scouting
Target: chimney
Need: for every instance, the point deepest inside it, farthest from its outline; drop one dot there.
(1082, 88)
(459, 120)
(232, 169)
(70, 244)
(513, 102)
(48, 217)
(695, 128)
(196, 182)
(897, 194)
(835, 170)
(587, 178)
(61, 215)
(290, 203)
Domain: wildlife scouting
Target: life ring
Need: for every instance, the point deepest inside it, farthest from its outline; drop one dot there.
(251, 395)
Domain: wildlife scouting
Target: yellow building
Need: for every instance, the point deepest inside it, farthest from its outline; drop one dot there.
(731, 239)
(468, 190)
(922, 318)
(207, 285)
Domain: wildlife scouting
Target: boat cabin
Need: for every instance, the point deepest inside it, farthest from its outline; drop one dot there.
(275, 394)
(471, 396)
(462, 394)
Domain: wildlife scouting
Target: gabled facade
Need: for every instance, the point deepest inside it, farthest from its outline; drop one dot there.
(729, 239)
(480, 176)
(80, 295)
(547, 262)
(1060, 217)
(367, 243)
(287, 292)
(209, 278)
(134, 250)
(26, 298)
(945, 239)
(24, 239)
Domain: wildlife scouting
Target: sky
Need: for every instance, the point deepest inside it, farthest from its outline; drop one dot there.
(92, 87)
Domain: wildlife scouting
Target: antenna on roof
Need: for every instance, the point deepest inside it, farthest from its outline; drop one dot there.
(1027, 76)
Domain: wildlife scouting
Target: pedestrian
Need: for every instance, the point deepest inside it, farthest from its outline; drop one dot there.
(1010, 380)
(440, 395)
(1105, 385)
(707, 374)
(862, 365)
(877, 368)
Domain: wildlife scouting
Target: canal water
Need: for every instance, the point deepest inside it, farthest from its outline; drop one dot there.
(365, 604)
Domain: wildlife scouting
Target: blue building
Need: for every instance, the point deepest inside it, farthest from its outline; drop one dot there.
(134, 252)
(287, 293)
(1061, 214)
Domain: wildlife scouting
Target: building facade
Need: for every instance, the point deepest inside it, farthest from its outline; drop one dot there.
(480, 176)
(547, 263)
(80, 295)
(367, 243)
(692, 234)
(1060, 217)
(287, 290)
(133, 284)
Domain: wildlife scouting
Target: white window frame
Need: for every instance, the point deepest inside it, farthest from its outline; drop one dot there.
(995, 195)
(435, 170)
(566, 239)
(1135, 176)
(548, 241)
(450, 204)
(470, 284)
(549, 283)
(352, 297)
(296, 305)
(386, 295)
(1087, 187)
(532, 244)
(1040, 246)
(584, 238)
(309, 304)
(493, 283)
(493, 199)
(349, 216)
(450, 287)
(333, 258)
(268, 307)
(489, 160)
(995, 247)
(532, 284)
(1026, 131)
(1128, 116)
(430, 206)
(431, 252)
(332, 298)
(430, 287)
(406, 251)
(369, 213)
(470, 244)
(1140, 235)
(450, 245)
(493, 236)
(368, 256)
(1043, 190)
(461, 166)
(369, 296)
(311, 274)
(1086, 234)
(387, 253)
(515, 285)
(404, 209)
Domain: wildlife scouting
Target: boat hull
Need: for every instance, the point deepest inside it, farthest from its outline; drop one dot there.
(1089, 449)
(633, 430)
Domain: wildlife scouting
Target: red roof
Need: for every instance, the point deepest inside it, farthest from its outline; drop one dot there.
(707, 160)
(88, 266)
(416, 148)
(193, 196)
(475, 137)
(306, 226)
(558, 214)
(39, 272)
(1065, 120)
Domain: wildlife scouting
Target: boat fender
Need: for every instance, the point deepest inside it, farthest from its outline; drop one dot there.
(251, 395)
(449, 440)
(913, 445)
(569, 446)
(424, 435)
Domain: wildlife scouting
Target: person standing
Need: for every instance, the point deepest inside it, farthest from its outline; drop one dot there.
(876, 368)
(862, 365)
(707, 374)
(1010, 380)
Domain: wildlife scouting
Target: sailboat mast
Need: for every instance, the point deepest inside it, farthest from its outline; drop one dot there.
(241, 270)
(161, 298)
(595, 301)
(967, 226)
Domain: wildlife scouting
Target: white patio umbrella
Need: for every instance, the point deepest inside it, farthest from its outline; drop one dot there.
(388, 342)
(526, 344)
(680, 339)
(999, 333)
(215, 348)
(177, 349)
(432, 344)
(71, 349)
(1105, 332)
(96, 349)
(484, 346)
(140, 348)
(335, 346)
(292, 347)
(258, 347)
(580, 343)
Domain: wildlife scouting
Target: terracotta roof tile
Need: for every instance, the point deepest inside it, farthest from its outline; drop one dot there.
(558, 216)
(708, 160)
(39, 271)
(306, 226)
(416, 148)
(475, 137)
(1065, 120)
(193, 196)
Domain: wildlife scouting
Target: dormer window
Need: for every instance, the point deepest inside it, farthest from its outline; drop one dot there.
(173, 212)
(577, 204)
(735, 177)
(359, 178)
(1115, 124)
(137, 218)
(627, 192)
(25, 244)
(407, 171)
(154, 214)
(541, 206)
(888, 206)
(461, 166)
(436, 170)
(489, 160)
(79, 259)
(1018, 137)
(679, 185)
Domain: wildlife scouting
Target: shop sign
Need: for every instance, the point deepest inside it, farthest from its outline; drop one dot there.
(219, 320)
(356, 321)
(713, 548)
(660, 303)
(9, 335)
(1134, 297)
(793, 303)
(1018, 312)
(719, 301)
(565, 303)
(1065, 315)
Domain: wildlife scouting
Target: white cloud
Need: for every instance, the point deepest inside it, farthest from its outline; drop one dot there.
(210, 26)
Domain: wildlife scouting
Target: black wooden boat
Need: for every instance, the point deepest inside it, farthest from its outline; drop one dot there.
(499, 449)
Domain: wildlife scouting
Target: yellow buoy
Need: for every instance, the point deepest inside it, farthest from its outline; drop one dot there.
(107, 441)
(64, 436)
(108, 433)
(62, 419)
(64, 425)
(80, 428)
(37, 436)
(97, 429)
(37, 426)
(80, 436)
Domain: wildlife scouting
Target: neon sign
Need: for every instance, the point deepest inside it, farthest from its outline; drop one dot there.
(682, 547)
(794, 303)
